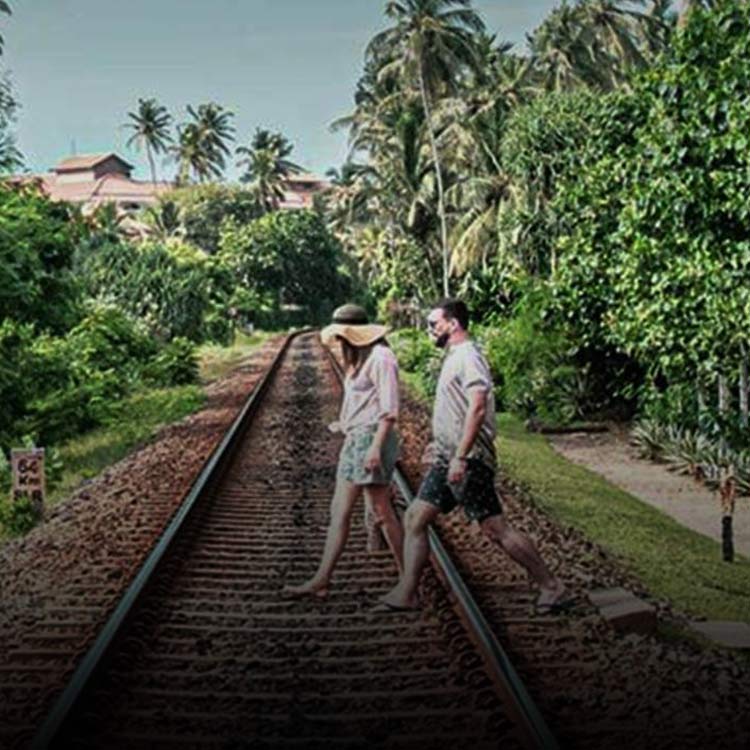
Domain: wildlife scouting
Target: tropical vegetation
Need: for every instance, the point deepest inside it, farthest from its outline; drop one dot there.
(585, 196)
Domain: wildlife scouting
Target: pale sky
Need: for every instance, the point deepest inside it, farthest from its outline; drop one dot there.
(79, 66)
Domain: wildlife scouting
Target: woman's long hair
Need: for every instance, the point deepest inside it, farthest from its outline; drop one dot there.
(356, 356)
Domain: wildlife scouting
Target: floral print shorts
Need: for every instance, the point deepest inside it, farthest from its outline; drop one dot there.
(352, 457)
(475, 493)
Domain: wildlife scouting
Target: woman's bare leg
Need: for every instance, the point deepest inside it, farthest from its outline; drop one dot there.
(379, 495)
(342, 506)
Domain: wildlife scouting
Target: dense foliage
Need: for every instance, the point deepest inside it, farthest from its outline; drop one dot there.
(173, 288)
(656, 261)
(286, 266)
(595, 199)
(203, 209)
(37, 243)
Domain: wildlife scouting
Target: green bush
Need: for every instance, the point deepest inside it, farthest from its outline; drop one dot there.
(288, 261)
(174, 289)
(204, 208)
(175, 364)
(418, 355)
(18, 517)
(15, 372)
(532, 365)
(56, 415)
(107, 339)
(105, 357)
(37, 243)
(101, 360)
(655, 259)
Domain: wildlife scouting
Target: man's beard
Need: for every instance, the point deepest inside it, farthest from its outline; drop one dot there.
(442, 340)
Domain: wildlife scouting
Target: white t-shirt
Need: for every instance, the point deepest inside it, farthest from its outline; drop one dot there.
(464, 370)
(372, 394)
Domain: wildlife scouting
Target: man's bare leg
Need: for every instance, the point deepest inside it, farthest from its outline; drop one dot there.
(342, 505)
(519, 547)
(418, 517)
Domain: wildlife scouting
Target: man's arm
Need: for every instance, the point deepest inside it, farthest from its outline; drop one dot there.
(475, 414)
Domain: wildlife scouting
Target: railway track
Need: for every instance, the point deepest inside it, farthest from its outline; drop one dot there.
(203, 651)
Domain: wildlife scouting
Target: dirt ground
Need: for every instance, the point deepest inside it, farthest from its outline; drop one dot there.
(692, 504)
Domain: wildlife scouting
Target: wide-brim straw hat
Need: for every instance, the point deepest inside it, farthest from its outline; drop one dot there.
(350, 323)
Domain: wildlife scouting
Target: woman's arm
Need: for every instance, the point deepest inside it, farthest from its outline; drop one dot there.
(372, 457)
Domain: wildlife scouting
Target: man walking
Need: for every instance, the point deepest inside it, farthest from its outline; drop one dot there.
(462, 458)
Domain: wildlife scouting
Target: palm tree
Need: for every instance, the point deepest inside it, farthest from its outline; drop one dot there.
(165, 220)
(189, 154)
(347, 199)
(202, 144)
(267, 167)
(216, 133)
(561, 51)
(105, 223)
(11, 158)
(150, 126)
(429, 46)
(4, 8)
(597, 43)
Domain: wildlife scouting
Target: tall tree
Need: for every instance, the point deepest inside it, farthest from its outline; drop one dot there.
(267, 167)
(597, 43)
(10, 156)
(189, 153)
(150, 125)
(216, 132)
(4, 8)
(203, 143)
(429, 45)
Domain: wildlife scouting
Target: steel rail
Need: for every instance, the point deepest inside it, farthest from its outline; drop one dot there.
(533, 727)
(101, 648)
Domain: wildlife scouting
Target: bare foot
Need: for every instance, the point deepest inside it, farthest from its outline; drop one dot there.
(309, 588)
(553, 598)
(396, 601)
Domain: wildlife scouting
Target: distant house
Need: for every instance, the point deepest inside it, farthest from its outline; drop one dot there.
(96, 179)
(105, 178)
(300, 189)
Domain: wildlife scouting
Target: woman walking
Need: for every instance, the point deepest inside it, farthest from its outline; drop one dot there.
(368, 420)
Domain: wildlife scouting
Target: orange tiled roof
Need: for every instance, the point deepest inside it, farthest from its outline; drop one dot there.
(109, 187)
(305, 177)
(87, 161)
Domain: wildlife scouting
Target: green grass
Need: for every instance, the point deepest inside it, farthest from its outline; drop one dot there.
(133, 422)
(674, 562)
(216, 361)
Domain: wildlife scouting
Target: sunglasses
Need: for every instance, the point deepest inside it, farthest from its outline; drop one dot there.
(432, 324)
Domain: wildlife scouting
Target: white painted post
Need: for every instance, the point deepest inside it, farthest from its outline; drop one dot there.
(744, 387)
(723, 408)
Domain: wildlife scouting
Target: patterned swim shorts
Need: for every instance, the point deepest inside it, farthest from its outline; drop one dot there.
(476, 491)
(352, 457)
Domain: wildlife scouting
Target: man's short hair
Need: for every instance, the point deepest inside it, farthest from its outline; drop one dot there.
(454, 309)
